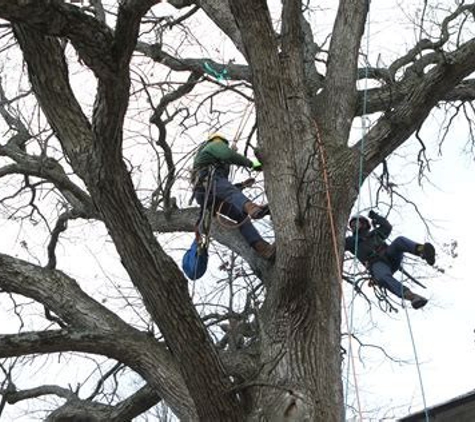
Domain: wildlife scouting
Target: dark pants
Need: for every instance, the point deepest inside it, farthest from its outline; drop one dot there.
(382, 271)
(229, 201)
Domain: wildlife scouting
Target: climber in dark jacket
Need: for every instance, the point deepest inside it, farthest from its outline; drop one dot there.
(383, 259)
(211, 168)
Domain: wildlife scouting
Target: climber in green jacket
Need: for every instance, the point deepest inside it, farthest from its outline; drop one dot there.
(212, 165)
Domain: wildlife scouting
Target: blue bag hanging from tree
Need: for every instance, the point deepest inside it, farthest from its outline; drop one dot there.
(195, 261)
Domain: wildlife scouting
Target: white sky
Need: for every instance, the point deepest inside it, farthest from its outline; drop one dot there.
(443, 330)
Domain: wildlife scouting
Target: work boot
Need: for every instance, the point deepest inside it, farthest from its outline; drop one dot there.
(256, 211)
(264, 249)
(426, 252)
(417, 301)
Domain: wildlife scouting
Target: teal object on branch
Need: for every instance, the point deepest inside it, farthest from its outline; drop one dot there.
(220, 76)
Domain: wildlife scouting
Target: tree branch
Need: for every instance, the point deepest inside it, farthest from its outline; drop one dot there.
(14, 396)
(156, 118)
(48, 74)
(51, 171)
(339, 95)
(138, 351)
(125, 411)
(136, 404)
(220, 13)
(127, 29)
(155, 52)
(91, 37)
(185, 220)
(383, 98)
(61, 225)
(398, 123)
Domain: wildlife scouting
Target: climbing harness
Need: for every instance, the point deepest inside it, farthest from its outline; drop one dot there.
(195, 260)
(203, 225)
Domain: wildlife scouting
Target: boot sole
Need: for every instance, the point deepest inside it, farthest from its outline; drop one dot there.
(419, 303)
(429, 253)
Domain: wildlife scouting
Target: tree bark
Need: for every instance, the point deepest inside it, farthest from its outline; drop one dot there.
(162, 285)
(300, 330)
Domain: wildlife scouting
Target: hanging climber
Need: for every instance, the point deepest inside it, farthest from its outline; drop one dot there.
(383, 259)
(213, 190)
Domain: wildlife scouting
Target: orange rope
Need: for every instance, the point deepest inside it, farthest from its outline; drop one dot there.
(337, 258)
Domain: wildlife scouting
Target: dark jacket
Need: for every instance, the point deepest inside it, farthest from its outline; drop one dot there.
(371, 243)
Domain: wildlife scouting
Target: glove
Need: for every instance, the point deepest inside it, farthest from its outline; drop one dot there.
(257, 165)
(373, 215)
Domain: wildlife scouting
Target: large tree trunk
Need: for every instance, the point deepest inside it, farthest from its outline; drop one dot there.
(300, 321)
(301, 379)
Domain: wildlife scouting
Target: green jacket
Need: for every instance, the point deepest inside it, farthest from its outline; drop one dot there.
(217, 152)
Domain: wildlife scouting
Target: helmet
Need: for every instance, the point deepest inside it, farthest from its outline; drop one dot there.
(361, 219)
(214, 136)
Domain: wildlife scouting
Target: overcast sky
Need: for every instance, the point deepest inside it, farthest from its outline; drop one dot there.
(443, 330)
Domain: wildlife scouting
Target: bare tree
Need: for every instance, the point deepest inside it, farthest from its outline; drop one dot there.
(277, 357)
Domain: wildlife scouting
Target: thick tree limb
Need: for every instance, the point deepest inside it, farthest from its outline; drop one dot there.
(339, 95)
(83, 410)
(96, 329)
(127, 29)
(464, 91)
(138, 403)
(398, 123)
(130, 351)
(65, 115)
(155, 52)
(384, 98)
(91, 37)
(58, 292)
(180, 4)
(14, 396)
(185, 220)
